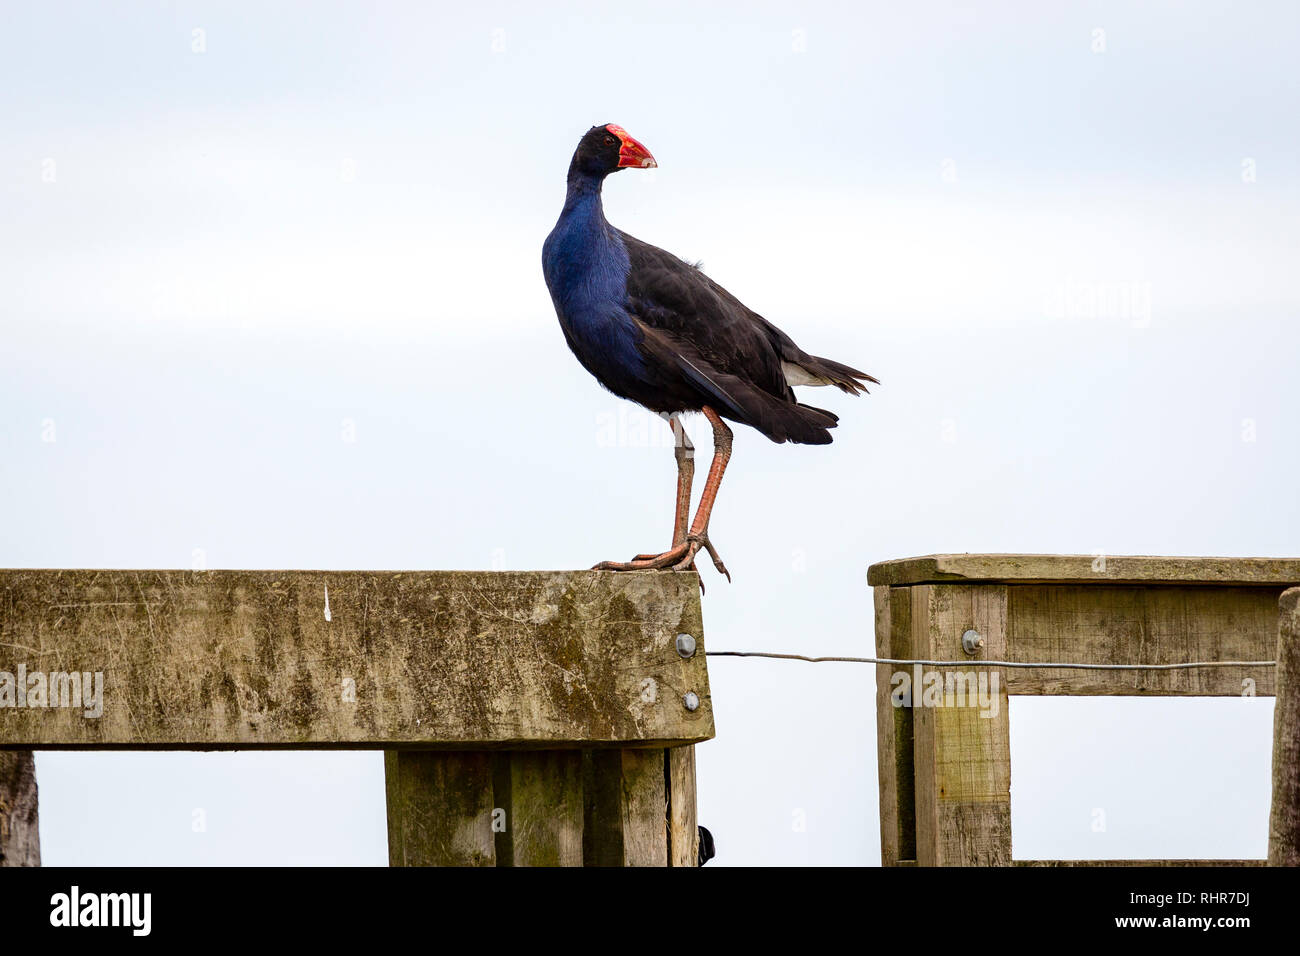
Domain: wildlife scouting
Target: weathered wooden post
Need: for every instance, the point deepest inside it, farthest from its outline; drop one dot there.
(1284, 821)
(944, 759)
(527, 717)
(20, 842)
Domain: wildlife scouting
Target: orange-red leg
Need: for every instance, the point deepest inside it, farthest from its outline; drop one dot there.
(698, 536)
(684, 452)
(687, 542)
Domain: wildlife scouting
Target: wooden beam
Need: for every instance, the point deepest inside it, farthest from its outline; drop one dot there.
(683, 826)
(1066, 609)
(1113, 624)
(962, 739)
(633, 807)
(626, 797)
(440, 808)
(544, 813)
(894, 729)
(1142, 863)
(20, 839)
(1084, 568)
(430, 660)
(1284, 819)
(645, 808)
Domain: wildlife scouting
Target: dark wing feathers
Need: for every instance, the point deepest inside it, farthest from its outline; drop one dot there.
(735, 397)
(731, 355)
(710, 382)
(844, 377)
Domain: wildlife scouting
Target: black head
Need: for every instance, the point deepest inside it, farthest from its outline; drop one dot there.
(607, 149)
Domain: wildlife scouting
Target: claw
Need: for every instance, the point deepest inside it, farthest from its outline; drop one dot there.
(693, 544)
(717, 561)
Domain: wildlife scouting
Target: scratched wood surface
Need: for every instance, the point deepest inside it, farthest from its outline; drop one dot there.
(945, 771)
(428, 659)
(1114, 624)
(683, 827)
(1084, 568)
(894, 729)
(1284, 818)
(544, 815)
(644, 808)
(1137, 863)
(20, 839)
(440, 808)
(962, 735)
(608, 807)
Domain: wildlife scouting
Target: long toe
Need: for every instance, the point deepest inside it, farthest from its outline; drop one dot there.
(717, 561)
(647, 562)
(680, 558)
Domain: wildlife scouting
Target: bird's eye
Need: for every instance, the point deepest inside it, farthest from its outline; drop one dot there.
(610, 140)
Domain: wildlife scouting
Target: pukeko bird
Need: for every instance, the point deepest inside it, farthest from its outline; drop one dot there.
(657, 330)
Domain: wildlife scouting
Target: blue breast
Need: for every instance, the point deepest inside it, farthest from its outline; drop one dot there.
(586, 268)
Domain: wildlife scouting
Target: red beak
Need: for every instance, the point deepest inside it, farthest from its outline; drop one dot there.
(633, 154)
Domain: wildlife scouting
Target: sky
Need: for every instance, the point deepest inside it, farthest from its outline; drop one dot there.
(271, 297)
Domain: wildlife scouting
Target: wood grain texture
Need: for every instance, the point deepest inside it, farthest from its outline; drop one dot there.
(545, 808)
(645, 808)
(439, 808)
(428, 660)
(1062, 609)
(894, 730)
(1140, 863)
(962, 747)
(633, 807)
(20, 840)
(1284, 817)
(1115, 624)
(602, 798)
(683, 825)
(1086, 568)
(886, 736)
(625, 795)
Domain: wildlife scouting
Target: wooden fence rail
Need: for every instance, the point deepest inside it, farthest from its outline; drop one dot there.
(549, 718)
(945, 770)
(529, 717)
(1284, 820)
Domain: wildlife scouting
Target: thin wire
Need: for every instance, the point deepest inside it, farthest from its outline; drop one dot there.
(983, 663)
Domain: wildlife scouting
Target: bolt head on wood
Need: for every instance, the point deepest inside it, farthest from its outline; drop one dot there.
(971, 641)
(691, 700)
(686, 645)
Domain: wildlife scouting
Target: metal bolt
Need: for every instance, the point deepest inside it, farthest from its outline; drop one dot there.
(685, 645)
(691, 700)
(971, 641)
